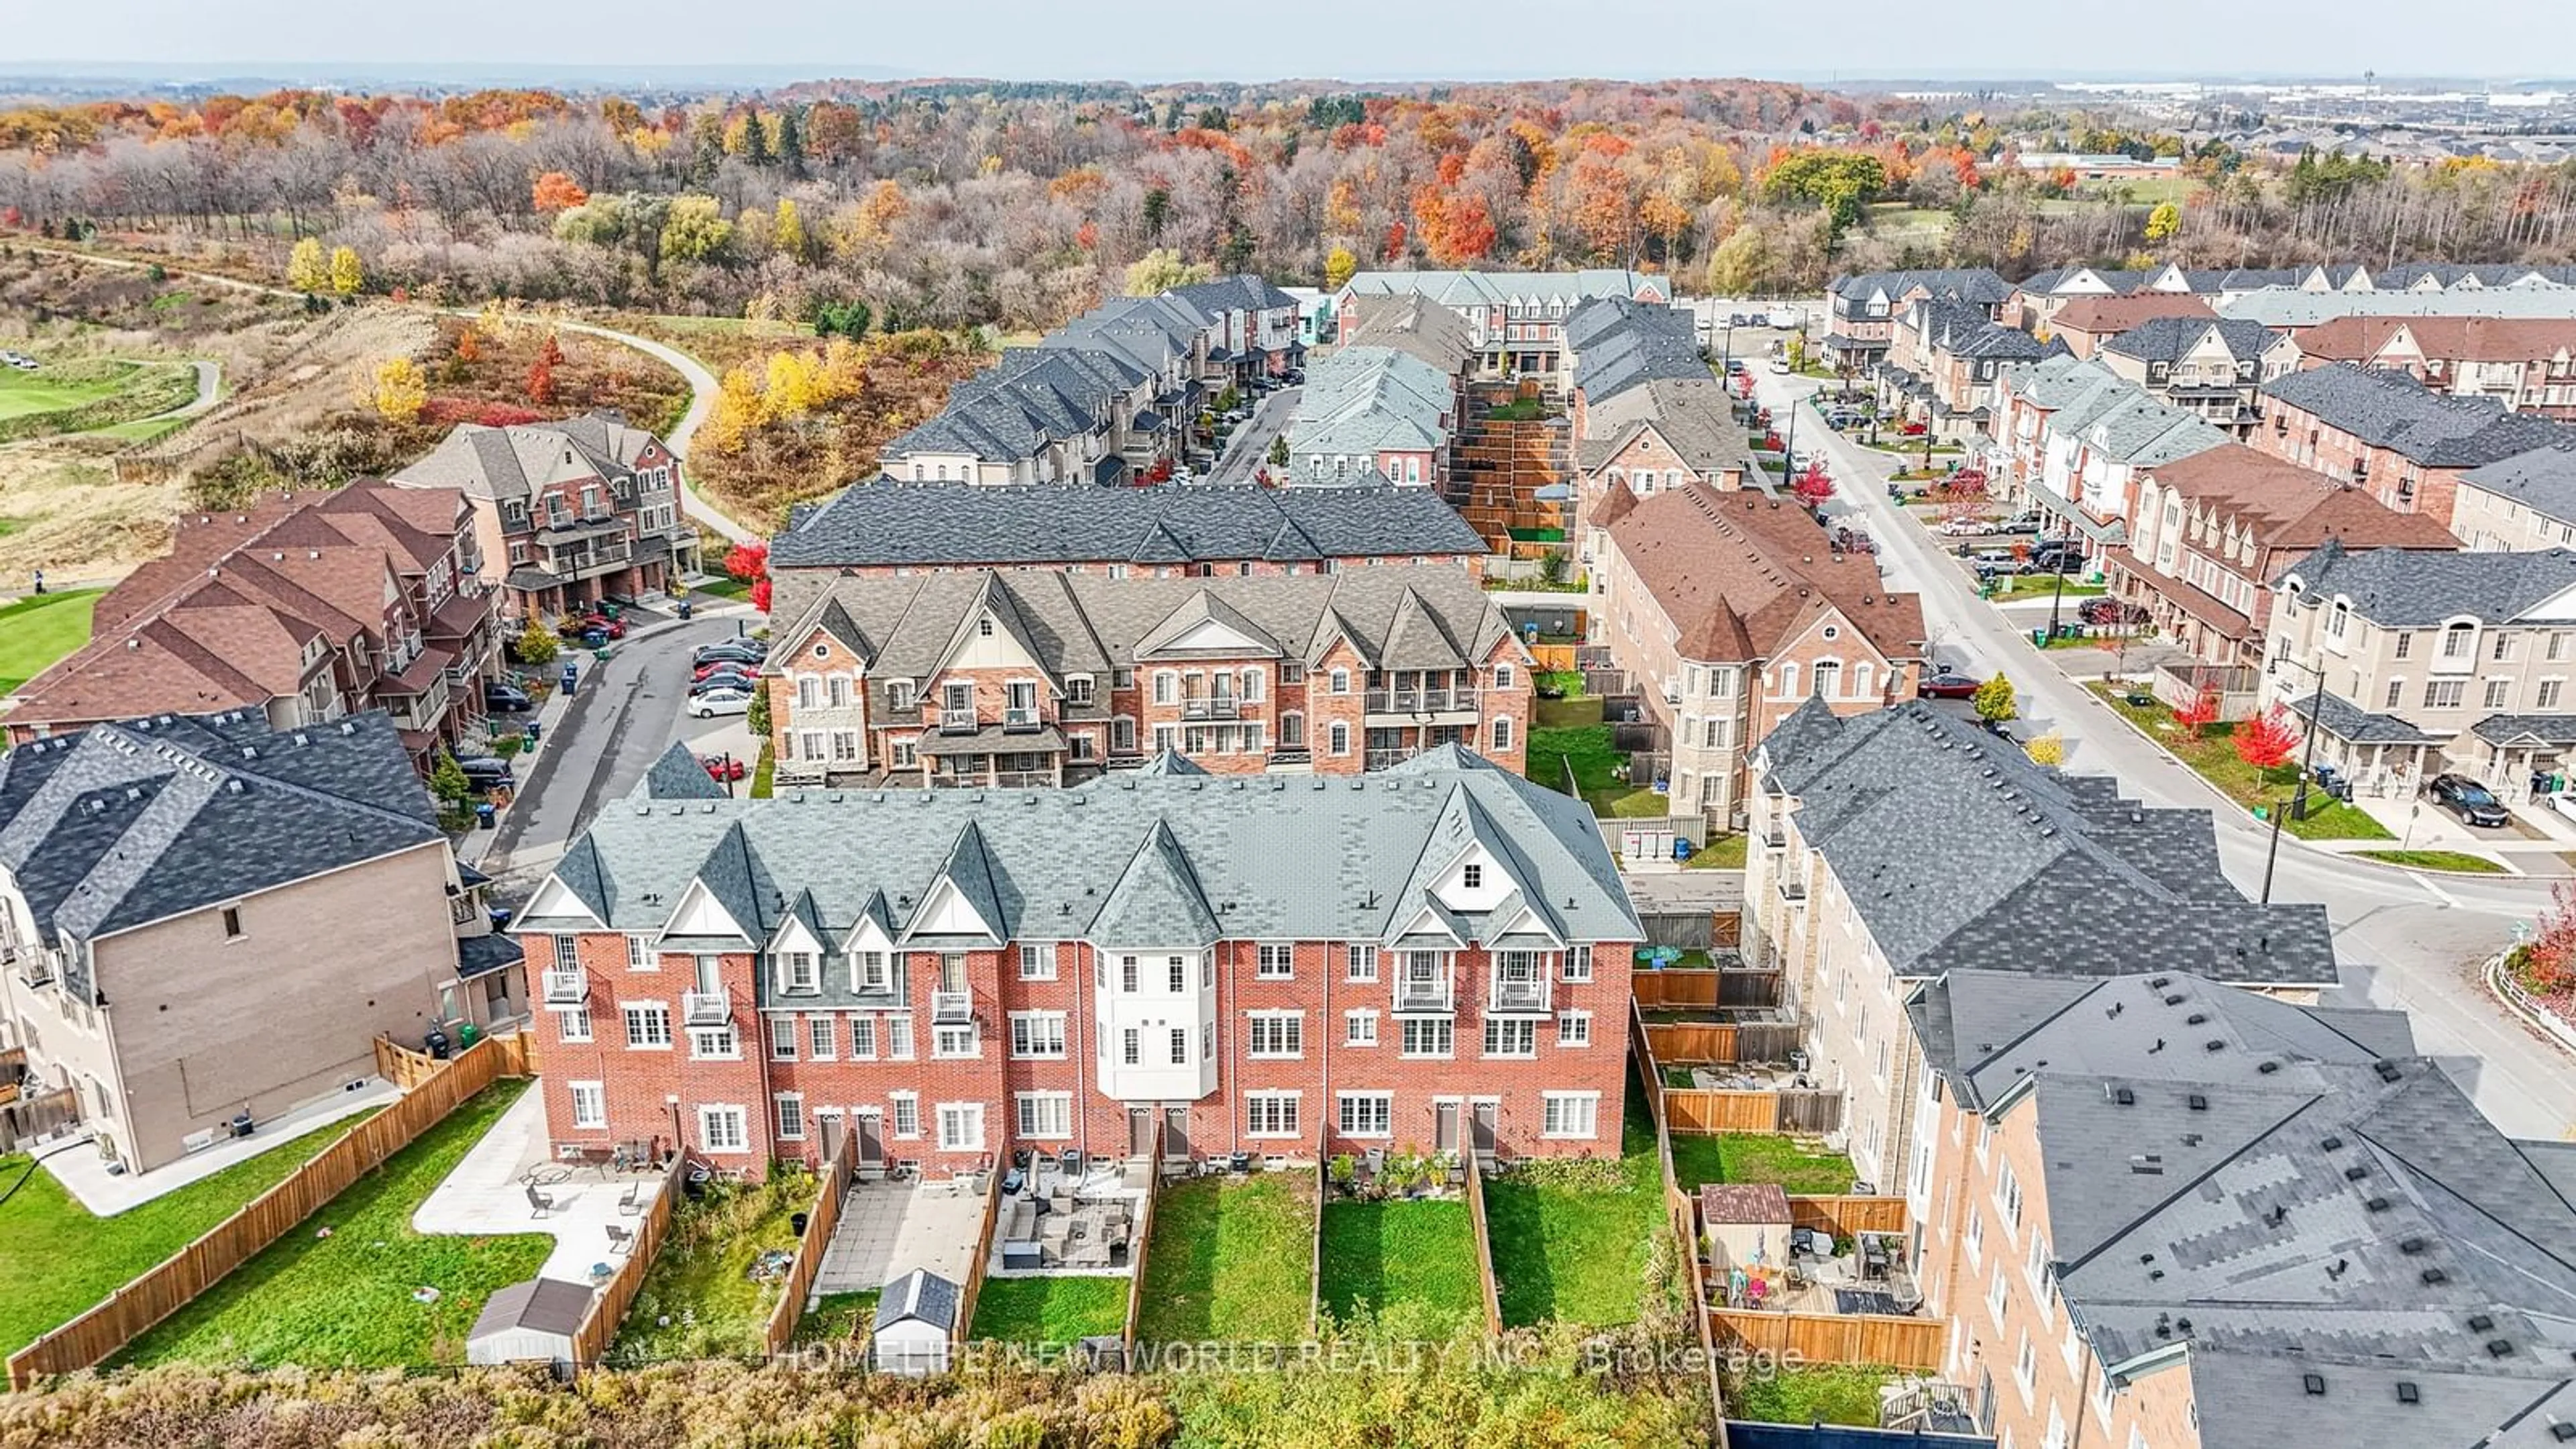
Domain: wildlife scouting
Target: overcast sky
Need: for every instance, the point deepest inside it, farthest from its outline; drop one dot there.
(1381, 39)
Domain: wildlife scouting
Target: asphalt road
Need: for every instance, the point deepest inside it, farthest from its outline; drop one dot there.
(624, 714)
(2406, 940)
(1250, 446)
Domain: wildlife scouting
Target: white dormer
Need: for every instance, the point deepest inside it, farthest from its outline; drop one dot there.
(947, 912)
(554, 900)
(1475, 881)
(701, 914)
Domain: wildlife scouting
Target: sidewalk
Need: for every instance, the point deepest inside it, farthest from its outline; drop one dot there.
(85, 1176)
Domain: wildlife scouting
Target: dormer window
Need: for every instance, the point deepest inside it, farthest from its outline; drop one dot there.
(800, 974)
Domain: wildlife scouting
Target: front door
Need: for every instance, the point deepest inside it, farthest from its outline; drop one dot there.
(827, 1123)
(1176, 1132)
(1140, 1131)
(871, 1139)
(1444, 1126)
(1485, 1117)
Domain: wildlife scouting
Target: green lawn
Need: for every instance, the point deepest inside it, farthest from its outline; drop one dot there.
(837, 1318)
(1759, 1157)
(141, 430)
(699, 1299)
(57, 1261)
(2041, 586)
(1570, 731)
(346, 1300)
(60, 387)
(1229, 1260)
(1827, 1393)
(2213, 756)
(1576, 1251)
(1408, 1251)
(1059, 1311)
(36, 631)
(1724, 853)
(726, 588)
(2434, 860)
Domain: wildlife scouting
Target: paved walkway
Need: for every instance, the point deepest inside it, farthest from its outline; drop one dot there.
(887, 1229)
(484, 1195)
(85, 1176)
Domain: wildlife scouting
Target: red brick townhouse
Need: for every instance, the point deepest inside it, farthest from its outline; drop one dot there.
(1014, 679)
(2389, 435)
(952, 975)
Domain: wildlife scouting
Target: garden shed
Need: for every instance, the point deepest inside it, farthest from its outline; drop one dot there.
(916, 1317)
(529, 1322)
(1746, 1223)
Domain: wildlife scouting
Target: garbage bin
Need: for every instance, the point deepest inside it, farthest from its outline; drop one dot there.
(483, 815)
(468, 1034)
(685, 607)
(796, 1224)
(2039, 638)
(434, 1041)
(571, 676)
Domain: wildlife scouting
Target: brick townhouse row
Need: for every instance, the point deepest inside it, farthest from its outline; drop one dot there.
(949, 976)
(1044, 678)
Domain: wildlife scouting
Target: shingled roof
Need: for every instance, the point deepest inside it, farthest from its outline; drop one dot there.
(2412, 589)
(2043, 874)
(128, 823)
(2392, 410)
(1741, 573)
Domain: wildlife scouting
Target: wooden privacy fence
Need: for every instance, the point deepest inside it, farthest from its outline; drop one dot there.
(1315, 1239)
(1857, 1338)
(608, 1306)
(1844, 1215)
(1484, 1246)
(1145, 1247)
(819, 1223)
(1684, 1044)
(1699, 989)
(168, 1287)
(407, 1069)
(1695, 1110)
(31, 1117)
(973, 1287)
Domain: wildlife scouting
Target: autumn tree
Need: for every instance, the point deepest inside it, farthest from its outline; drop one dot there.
(536, 643)
(2164, 222)
(1841, 182)
(1740, 266)
(749, 563)
(2047, 749)
(2546, 964)
(348, 274)
(307, 270)
(1963, 495)
(1812, 487)
(1160, 270)
(401, 390)
(556, 192)
(2199, 712)
(695, 230)
(1995, 701)
(2267, 741)
(787, 228)
(1339, 266)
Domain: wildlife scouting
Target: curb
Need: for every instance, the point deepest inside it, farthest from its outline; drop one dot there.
(2512, 997)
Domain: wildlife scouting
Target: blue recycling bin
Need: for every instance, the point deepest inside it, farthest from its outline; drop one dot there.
(571, 676)
(1681, 848)
(484, 815)
(532, 731)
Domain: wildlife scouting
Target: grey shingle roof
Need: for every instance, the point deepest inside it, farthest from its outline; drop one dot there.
(1618, 344)
(1270, 858)
(2169, 339)
(2542, 479)
(1967, 284)
(2392, 410)
(919, 1296)
(2405, 588)
(677, 775)
(928, 525)
(124, 824)
(2040, 876)
(1238, 293)
(2352, 724)
(2548, 729)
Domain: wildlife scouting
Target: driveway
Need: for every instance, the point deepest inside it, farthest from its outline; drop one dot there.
(1250, 446)
(2406, 941)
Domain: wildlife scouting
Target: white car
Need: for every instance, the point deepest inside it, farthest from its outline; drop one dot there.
(1967, 527)
(720, 701)
(1780, 365)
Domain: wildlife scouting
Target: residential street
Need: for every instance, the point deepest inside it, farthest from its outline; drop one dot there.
(2407, 940)
(1251, 442)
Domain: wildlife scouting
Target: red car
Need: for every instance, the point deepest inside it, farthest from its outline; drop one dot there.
(721, 768)
(721, 666)
(576, 625)
(1946, 685)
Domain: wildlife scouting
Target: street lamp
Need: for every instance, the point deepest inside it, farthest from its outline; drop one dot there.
(2307, 766)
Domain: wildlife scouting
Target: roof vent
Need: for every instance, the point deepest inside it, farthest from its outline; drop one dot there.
(2278, 1215)
(2377, 1205)
(2197, 1018)
(2388, 1071)
(2412, 1246)
(2174, 1000)
(2432, 1276)
(2315, 1384)
(2214, 1044)
(2501, 1348)
(2267, 1068)
(2407, 1393)
(2148, 1164)
(2196, 1102)
(2124, 1096)
(2562, 1431)
(2481, 1322)
(2355, 1173)
(2159, 983)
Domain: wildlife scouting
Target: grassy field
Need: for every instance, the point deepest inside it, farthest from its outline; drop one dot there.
(1570, 731)
(2453, 860)
(1759, 1157)
(56, 1260)
(1823, 1394)
(2213, 757)
(836, 1319)
(1724, 853)
(1229, 1260)
(57, 389)
(347, 1300)
(1577, 1251)
(1409, 1251)
(1061, 1311)
(699, 1299)
(34, 632)
(2040, 586)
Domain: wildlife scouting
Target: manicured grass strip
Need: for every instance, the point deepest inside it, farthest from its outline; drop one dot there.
(1724, 853)
(57, 1261)
(1577, 1252)
(699, 1299)
(39, 629)
(1229, 1260)
(1410, 1251)
(2213, 757)
(60, 387)
(1760, 1157)
(1827, 1394)
(346, 1300)
(726, 588)
(1059, 1311)
(2433, 860)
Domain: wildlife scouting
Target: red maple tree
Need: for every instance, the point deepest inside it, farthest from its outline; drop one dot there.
(749, 562)
(2198, 712)
(2546, 964)
(2267, 740)
(1812, 487)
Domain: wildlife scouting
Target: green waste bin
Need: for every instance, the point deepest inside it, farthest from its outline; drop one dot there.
(2039, 638)
(2262, 812)
(468, 1034)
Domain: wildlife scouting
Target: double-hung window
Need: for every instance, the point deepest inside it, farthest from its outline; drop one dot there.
(1366, 1114)
(1037, 1034)
(1278, 1034)
(1275, 963)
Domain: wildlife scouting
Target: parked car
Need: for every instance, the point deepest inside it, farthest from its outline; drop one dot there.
(485, 771)
(723, 679)
(1735, 367)
(2054, 561)
(720, 701)
(738, 651)
(505, 699)
(2110, 611)
(722, 768)
(1948, 685)
(576, 625)
(2019, 523)
(1987, 558)
(746, 668)
(1780, 365)
(2466, 798)
(1965, 527)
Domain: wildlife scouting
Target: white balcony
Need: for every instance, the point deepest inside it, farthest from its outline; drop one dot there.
(706, 1008)
(1522, 995)
(952, 1006)
(1424, 993)
(567, 987)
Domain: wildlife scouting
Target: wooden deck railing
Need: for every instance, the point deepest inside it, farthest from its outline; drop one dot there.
(1855, 1338)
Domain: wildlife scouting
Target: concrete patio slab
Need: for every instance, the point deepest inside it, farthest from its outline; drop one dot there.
(85, 1176)
(887, 1229)
(486, 1195)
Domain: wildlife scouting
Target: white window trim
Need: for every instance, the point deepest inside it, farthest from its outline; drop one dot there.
(1341, 1099)
(1296, 1111)
(1593, 1110)
(706, 1134)
(1020, 1119)
(894, 1118)
(1294, 1028)
(1581, 1035)
(780, 1102)
(1352, 1018)
(565, 1016)
(1063, 1035)
(599, 1096)
(625, 1020)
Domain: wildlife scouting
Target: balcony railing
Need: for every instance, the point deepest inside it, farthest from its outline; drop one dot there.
(1387, 759)
(959, 724)
(1439, 699)
(1517, 995)
(1791, 890)
(952, 1006)
(1022, 721)
(567, 987)
(35, 966)
(1211, 707)
(706, 1008)
(1420, 995)
(1775, 838)
(1024, 779)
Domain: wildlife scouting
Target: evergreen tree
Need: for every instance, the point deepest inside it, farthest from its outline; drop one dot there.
(791, 142)
(755, 140)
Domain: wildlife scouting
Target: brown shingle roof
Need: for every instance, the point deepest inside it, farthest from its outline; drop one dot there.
(2472, 339)
(2290, 507)
(1743, 1202)
(1740, 573)
(2110, 316)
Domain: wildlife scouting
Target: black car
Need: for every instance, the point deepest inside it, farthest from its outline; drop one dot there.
(485, 770)
(505, 699)
(726, 679)
(750, 657)
(2469, 800)
(2049, 561)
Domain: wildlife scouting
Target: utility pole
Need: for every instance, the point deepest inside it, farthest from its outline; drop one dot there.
(2307, 765)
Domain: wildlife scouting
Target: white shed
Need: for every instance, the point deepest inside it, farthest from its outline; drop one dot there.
(531, 1321)
(916, 1316)
(1746, 1225)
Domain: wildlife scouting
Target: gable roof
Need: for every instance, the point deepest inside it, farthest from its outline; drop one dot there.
(2288, 506)
(2541, 479)
(2470, 339)
(2413, 589)
(1617, 343)
(1741, 573)
(2173, 338)
(2109, 316)
(1418, 327)
(2392, 410)
(677, 775)
(919, 1296)
(539, 1305)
